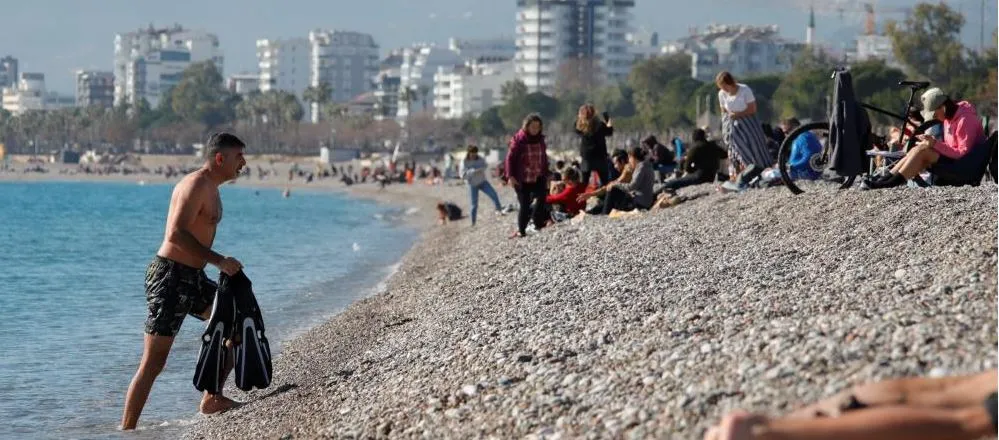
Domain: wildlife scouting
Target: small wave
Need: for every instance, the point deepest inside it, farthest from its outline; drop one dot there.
(412, 210)
(356, 247)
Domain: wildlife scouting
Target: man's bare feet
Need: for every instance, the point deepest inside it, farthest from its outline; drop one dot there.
(736, 426)
(215, 403)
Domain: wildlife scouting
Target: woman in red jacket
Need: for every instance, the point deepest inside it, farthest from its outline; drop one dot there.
(568, 197)
(526, 169)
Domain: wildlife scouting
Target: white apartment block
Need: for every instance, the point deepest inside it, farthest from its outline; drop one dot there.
(874, 47)
(148, 62)
(549, 32)
(739, 49)
(470, 89)
(243, 83)
(386, 86)
(486, 50)
(419, 65)
(346, 60)
(644, 45)
(284, 65)
(29, 94)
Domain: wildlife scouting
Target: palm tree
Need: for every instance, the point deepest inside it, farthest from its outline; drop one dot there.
(318, 97)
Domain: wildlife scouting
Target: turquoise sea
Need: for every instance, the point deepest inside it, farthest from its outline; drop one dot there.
(72, 303)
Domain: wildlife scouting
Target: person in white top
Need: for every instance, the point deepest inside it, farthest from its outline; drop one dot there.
(741, 129)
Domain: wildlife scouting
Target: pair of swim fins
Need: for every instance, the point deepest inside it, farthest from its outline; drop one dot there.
(235, 317)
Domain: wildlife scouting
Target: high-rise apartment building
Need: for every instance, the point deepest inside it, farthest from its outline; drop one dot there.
(345, 60)
(8, 72)
(94, 88)
(551, 32)
(284, 65)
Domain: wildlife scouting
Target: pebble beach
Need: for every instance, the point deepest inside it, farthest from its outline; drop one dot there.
(645, 326)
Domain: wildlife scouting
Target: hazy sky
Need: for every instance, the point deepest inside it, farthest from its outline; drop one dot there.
(56, 37)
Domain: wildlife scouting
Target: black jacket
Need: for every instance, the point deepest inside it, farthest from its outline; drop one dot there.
(705, 157)
(593, 145)
(849, 128)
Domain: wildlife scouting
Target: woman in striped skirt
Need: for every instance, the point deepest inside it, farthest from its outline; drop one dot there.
(742, 131)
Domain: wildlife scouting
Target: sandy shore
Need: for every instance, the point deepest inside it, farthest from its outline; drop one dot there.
(643, 327)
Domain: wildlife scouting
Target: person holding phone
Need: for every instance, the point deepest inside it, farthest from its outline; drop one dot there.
(593, 134)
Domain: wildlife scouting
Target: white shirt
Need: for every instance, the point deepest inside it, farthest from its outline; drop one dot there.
(737, 102)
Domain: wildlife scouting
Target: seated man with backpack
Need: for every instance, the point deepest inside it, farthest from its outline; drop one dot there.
(958, 157)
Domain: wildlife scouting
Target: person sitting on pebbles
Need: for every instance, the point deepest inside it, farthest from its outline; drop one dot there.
(959, 154)
(637, 193)
(620, 160)
(567, 197)
(447, 212)
(957, 408)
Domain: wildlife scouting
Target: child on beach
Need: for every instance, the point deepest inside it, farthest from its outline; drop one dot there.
(527, 172)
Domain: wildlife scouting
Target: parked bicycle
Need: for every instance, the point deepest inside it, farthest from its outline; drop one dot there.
(823, 160)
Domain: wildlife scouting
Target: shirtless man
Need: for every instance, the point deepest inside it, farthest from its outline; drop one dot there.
(176, 283)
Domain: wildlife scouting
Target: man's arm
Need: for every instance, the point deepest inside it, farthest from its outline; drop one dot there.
(188, 203)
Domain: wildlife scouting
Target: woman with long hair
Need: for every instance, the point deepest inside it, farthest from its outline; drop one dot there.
(473, 170)
(741, 128)
(526, 169)
(593, 133)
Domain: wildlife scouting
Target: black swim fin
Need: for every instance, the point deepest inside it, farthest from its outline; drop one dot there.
(214, 354)
(253, 354)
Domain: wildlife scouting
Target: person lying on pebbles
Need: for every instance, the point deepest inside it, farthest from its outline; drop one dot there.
(958, 407)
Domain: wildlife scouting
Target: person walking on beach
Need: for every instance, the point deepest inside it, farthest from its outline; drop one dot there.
(473, 170)
(176, 283)
(593, 134)
(527, 172)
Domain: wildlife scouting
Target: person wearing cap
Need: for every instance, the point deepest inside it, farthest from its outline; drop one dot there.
(959, 153)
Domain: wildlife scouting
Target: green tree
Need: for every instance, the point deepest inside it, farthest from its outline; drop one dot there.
(649, 78)
(514, 111)
(615, 99)
(805, 91)
(764, 88)
(489, 123)
(877, 84)
(318, 96)
(928, 42)
(671, 110)
(513, 90)
(200, 96)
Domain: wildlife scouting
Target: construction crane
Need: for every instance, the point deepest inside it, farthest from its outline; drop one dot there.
(870, 22)
(861, 10)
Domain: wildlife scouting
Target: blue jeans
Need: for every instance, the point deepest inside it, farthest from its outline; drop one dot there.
(490, 192)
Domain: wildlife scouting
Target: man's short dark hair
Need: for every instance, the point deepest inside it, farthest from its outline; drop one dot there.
(221, 141)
